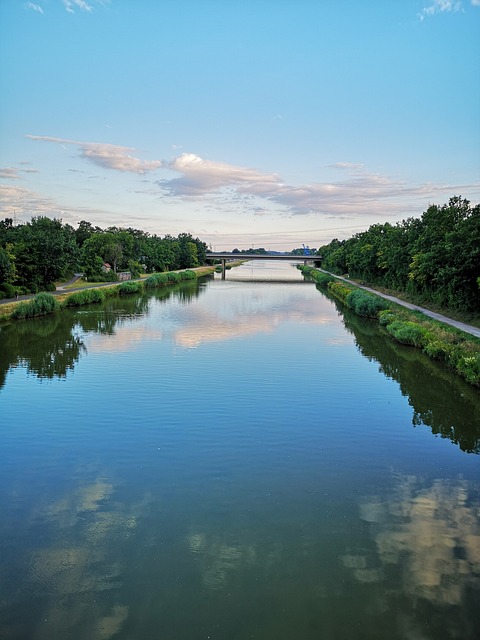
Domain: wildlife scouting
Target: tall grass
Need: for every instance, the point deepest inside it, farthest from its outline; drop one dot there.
(126, 288)
(41, 305)
(87, 296)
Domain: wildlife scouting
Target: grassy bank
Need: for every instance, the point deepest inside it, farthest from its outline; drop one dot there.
(46, 303)
(457, 350)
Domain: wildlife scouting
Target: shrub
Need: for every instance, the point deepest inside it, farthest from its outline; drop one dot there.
(41, 305)
(339, 290)
(188, 275)
(8, 289)
(408, 333)
(439, 350)
(87, 296)
(50, 286)
(322, 278)
(126, 288)
(386, 317)
(173, 276)
(469, 368)
(365, 304)
(155, 280)
(32, 287)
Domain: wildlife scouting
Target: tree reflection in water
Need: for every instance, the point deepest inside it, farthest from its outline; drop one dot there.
(50, 346)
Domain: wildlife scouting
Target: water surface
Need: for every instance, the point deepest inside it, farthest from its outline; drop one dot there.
(233, 459)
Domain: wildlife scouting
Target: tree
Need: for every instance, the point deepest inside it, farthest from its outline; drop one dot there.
(7, 264)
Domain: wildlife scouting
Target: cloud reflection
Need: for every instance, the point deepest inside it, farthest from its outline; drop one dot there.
(428, 536)
(75, 579)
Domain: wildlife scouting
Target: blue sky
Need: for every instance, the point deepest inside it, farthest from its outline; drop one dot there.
(264, 122)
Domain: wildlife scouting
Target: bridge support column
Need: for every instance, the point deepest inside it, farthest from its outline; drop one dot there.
(223, 268)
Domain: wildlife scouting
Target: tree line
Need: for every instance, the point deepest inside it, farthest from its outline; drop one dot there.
(38, 253)
(434, 258)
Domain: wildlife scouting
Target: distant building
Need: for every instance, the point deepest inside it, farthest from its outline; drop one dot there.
(106, 267)
(124, 275)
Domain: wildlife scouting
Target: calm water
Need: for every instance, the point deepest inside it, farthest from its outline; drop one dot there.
(233, 460)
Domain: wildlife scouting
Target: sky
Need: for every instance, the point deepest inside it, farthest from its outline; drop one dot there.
(264, 123)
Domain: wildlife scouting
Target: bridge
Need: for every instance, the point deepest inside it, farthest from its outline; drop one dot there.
(225, 257)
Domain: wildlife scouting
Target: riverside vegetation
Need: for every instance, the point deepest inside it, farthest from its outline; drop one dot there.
(434, 259)
(452, 347)
(45, 303)
(35, 255)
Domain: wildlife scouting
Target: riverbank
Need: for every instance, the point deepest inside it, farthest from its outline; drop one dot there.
(44, 303)
(456, 345)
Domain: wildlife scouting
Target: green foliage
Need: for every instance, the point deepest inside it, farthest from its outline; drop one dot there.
(188, 274)
(128, 287)
(173, 276)
(365, 304)
(386, 316)
(156, 280)
(44, 251)
(320, 277)
(135, 268)
(7, 264)
(87, 296)
(469, 368)
(339, 290)
(41, 305)
(408, 333)
(439, 350)
(8, 289)
(435, 258)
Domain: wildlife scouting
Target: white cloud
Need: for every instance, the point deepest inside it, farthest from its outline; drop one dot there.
(442, 6)
(204, 176)
(12, 173)
(71, 5)
(359, 192)
(9, 173)
(34, 7)
(26, 203)
(227, 187)
(109, 156)
(346, 165)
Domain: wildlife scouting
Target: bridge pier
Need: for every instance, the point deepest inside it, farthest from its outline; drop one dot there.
(224, 268)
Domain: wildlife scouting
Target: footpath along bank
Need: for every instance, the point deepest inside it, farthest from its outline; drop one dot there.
(456, 348)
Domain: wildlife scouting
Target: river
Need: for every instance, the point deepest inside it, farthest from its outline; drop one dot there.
(231, 460)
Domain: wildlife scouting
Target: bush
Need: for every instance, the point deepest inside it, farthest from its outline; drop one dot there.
(155, 280)
(469, 368)
(32, 287)
(126, 288)
(408, 333)
(87, 296)
(365, 304)
(439, 350)
(173, 276)
(339, 290)
(322, 279)
(8, 289)
(50, 286)
(188, 275)
(41, 305)
(386, 317)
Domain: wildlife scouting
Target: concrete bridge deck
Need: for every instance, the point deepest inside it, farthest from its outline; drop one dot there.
(224, 257)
